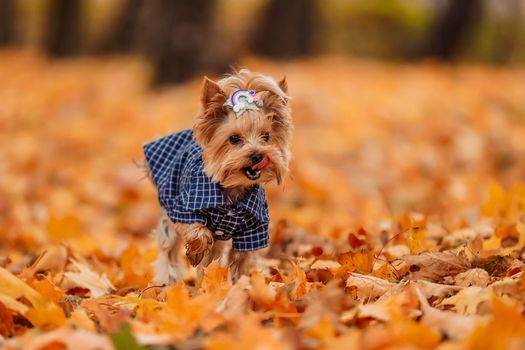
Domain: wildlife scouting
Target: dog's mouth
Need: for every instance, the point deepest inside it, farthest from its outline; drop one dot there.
(254, 172)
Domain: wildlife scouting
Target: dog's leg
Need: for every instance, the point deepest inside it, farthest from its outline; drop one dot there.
(199, 242)
(167, 265)
(243, 263)
(222, 251)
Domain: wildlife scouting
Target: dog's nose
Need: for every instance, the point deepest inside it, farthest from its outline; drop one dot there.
(256, 158)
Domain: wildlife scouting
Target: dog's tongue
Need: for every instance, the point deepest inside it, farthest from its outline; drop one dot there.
(262, 164)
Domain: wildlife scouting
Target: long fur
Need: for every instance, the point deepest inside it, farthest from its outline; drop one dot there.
(224, 163)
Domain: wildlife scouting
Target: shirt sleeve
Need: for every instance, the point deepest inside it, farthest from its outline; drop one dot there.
(178, 213)
(252, 236)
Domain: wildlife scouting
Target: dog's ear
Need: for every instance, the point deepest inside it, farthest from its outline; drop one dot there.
(209, 90)
(212, 113)
(283, 84)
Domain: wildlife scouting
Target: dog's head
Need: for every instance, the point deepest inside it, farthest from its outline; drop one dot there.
(240, 150)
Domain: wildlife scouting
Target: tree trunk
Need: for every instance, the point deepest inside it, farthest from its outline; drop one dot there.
(508, 36)
(174, 35)
(7, 13)
(286, 29)
(453, 28)
(63, 36)
(121, 37)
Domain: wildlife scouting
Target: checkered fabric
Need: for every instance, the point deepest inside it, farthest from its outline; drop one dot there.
(190, 196)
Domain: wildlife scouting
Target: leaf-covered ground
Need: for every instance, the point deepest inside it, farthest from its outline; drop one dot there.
(401, 226)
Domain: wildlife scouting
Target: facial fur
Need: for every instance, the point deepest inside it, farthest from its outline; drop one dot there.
(251, 149)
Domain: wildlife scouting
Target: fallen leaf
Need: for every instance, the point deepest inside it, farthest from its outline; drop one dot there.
(470, 301)
(42, 313)
(236, 301)
(98, 285)
(6, 322)
(367, 287)
(505, 324)
(435, 266)
(53, 258)
(300, 287)
(325, 264)
(454, 326)
(63, 337)
(216, 280)
(247, 334)
(473, 277)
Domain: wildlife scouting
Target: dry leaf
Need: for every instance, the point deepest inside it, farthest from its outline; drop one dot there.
(247, 334)
(505, 324)
(236, 302)
(470, 301)
(53, 258)
(98, 285)
(473, 277)
(435, 266)
(67, 177)
(216, 280)
(368, 287)
(300, 287)
(325, 264)
(43, 313)
(68, 337)
(454, 326)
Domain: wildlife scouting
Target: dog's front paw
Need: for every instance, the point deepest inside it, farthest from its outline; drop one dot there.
(199, 242)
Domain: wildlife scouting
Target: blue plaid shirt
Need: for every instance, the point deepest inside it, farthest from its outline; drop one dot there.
(190, 196)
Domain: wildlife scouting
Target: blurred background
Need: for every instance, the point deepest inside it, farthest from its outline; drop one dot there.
(182, 39)
(399, 106)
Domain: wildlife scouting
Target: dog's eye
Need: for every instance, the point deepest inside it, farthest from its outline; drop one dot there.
(265, 136)
(235, 139)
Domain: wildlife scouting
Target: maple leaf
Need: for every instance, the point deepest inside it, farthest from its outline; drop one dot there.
(473, 277)
(505, 325)
(69, 190)
(97, 284)
(216, 280)
(469, 301)
(53, 258)
(300, 287)
(47, 289)
(136, 271)
(367, 287)
(361, 262)
(6, 322)
(434, 266)
(67, 337)
(43, 313)
(446, 322)
(248, 334)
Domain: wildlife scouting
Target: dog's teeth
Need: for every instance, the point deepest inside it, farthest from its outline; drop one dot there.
(252, 174)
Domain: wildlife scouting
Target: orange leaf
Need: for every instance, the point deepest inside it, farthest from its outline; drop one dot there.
(216, 280)
(43, 313)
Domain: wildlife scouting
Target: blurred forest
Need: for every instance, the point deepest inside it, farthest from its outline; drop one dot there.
(183, 39)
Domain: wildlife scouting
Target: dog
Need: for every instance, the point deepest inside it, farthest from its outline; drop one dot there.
(210, 179)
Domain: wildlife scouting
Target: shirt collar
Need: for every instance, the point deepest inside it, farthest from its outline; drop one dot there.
(204, 193)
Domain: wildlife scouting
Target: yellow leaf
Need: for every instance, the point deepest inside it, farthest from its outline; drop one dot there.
(323, 330)
(507, 324)
(62, 228)
(43, 313)
(247, 334)
(47, 289)
(216, 280)
(97, 284)
(300, 287)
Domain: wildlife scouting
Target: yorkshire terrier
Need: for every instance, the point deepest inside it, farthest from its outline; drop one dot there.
(210, 178)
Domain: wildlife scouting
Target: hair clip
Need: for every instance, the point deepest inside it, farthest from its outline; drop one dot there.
(243, 100)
